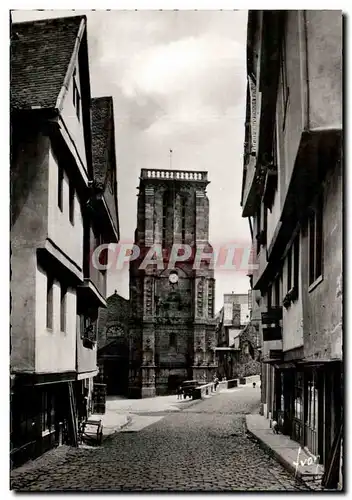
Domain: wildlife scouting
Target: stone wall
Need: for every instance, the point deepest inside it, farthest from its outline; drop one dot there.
(114, 320)
(248, 362)
(322, 306)
(163, 333)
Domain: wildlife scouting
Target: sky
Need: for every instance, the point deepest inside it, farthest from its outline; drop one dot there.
(178, 81)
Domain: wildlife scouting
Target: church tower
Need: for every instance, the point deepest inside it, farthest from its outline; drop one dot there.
(172, 334)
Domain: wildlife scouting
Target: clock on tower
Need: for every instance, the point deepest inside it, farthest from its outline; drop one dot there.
(173, 278)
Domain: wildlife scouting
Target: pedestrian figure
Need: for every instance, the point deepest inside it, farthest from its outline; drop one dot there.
(275, 427)
(83, 408)
(254, 384)
(179, 392)
(216, 382)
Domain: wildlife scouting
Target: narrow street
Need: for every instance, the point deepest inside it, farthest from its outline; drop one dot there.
(202, 447)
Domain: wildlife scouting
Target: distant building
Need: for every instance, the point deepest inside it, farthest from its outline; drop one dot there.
(237, 340)
(292, 195)
(60, 212)
(172, 335)
(113, 345)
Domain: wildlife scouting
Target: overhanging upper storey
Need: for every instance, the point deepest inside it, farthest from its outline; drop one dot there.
(263, 35)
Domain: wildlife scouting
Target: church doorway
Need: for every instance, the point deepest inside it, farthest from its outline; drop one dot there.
(116, 376)
(173, 382)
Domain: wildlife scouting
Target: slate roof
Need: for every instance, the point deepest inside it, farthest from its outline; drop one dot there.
(103, 152)
(102, 136)
(40, 55)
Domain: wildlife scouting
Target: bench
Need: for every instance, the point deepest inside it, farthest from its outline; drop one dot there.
(91, 431)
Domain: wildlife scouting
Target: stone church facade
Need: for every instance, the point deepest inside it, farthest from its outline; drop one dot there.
(172, 334)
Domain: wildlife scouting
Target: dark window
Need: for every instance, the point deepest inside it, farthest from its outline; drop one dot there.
(258, 229)
(211, 299)
(74, 87)
(298, 396)
(48, 411)
(265, 228)
(293, 267)
(296, 264)
(315, 228)
(319, 238)
(76, 98)
(289, 269)
(277, 292)
(285, 91)
(183, 219)
(72, 203)
(269, 297)
(63, 298)
(88, 328)
(275, 156)
(282, 392)
(311, 226)
(49, 302)
(164, 219)
(60, 187)
(45, 413)
(312, 397)
(172, 339)
(114, 331)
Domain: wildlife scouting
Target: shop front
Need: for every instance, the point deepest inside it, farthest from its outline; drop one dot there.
(308, 405)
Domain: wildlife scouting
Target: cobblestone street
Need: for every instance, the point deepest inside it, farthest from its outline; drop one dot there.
(201, 448)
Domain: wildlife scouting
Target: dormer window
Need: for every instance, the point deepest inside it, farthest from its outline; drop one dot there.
(76, 97)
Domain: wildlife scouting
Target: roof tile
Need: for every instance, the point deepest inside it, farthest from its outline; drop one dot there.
(103, 151)
(40, 54)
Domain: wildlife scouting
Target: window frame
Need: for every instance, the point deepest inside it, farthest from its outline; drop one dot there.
(86, 322)
(60, 187)
(258, 228)
(298, 393)
(312, 414)
(63, 307)
(315, 228)
(50, 302)
(76, 97)
(295, 262)
(277, 291)
(285, 89)
(269, 297)
(183, 219)
(164, 218)
(71, 202)
(292, 277)
(47, 415)
(172, 339)
(289, 269)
